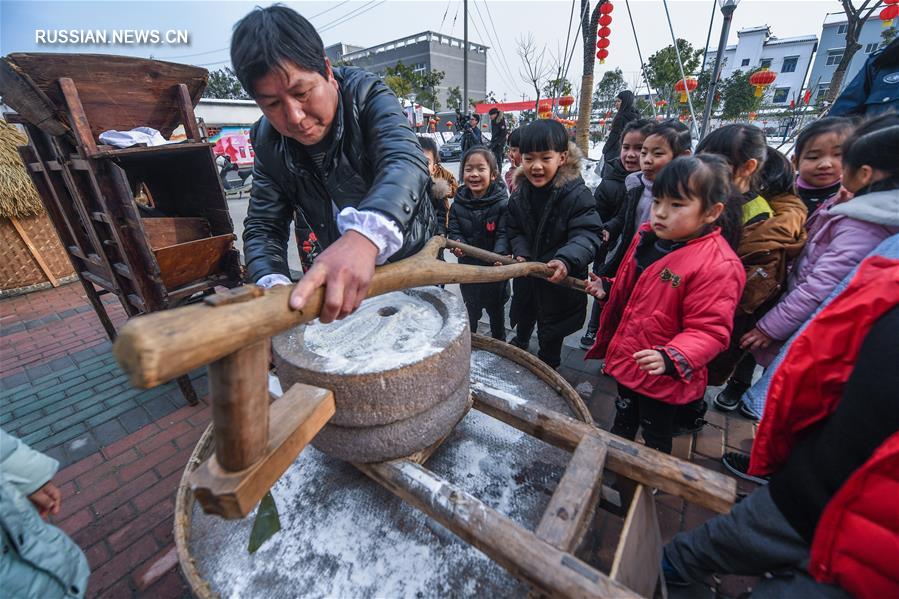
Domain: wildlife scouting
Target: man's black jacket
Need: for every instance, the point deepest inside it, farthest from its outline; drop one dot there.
(374, 163)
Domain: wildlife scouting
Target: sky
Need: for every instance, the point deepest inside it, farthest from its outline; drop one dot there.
(494, 23)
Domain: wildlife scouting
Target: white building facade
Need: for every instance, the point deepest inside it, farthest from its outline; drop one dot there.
(790, 58)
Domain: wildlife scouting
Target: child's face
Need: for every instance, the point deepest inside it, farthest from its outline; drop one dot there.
(476, 175)
(432, 162)
(821, 163)
(514, 156)
(541, 167)
(630, 151)
(681, 219)
(654, 155)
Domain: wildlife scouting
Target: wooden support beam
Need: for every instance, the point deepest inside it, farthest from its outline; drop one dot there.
(186, 108)
(694, 483)
(80, 124)
(32, 249)
(639, 553)
(294, 419)
(574, 501)
(520, 551)
(238, 386)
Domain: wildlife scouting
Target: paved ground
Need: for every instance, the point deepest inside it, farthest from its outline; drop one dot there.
(123, 450)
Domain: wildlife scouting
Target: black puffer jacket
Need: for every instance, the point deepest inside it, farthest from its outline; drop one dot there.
(568, 229)
(374, 163)
(622, 227)
(481, 222)
(609, 195)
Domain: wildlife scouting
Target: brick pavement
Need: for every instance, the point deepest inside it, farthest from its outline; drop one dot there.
(125, 449)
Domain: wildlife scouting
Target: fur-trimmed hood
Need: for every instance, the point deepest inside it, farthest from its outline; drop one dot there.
(568, 172)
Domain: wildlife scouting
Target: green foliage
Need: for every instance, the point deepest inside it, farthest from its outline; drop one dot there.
(223, 85)
(701, 93)
(887, 35)
(608, 88)
(663, 71)
(557, 87)
(454, 98)
(404, 81)
(738, 96)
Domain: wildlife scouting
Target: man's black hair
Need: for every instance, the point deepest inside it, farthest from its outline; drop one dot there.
(429, 145)
(475, 116)
(544, 135)
(268, 37)
(494, 111)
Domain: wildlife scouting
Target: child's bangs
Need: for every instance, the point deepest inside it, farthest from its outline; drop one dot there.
(543, 136)
(677, 181)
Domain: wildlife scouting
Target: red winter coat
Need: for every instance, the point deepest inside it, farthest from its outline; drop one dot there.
(683, 304)
(856, 544)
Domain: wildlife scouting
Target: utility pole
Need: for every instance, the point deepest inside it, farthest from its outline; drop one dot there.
(727, 9)
(465, 58)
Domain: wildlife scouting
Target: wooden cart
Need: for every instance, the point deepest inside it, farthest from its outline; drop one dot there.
(148, 224)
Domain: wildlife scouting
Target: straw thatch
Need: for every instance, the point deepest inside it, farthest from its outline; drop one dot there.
(18, 197)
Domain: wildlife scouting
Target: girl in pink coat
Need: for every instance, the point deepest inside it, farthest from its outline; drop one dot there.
(671, 304)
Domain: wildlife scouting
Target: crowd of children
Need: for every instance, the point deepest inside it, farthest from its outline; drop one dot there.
(705, 266)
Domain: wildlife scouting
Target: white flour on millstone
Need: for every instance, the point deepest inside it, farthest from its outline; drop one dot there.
(386, 332)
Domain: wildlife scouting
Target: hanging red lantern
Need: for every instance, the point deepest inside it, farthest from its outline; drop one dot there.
(889, 12)
(606, 8)
(685, 85)
(449, 124)
(808, 96)
(603, 43)
(566, 101)
(762, 79)
(752, 116)
(660, 102)
(602, 55)
(604, 32)
(604, 20)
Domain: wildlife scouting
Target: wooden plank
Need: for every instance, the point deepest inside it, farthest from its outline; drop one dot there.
(76, 115)
(144, 152)
(42, 264)
(101, 217)
(97, 280)
(118, 92)
(166, 231)
(185, 262)
(294, 420)
(238, 386)
(518, 550)
(186, 109)
(574, 501)
(123, 270)
(136, 301)
(21, 93)
(699, 485)
(637, 563)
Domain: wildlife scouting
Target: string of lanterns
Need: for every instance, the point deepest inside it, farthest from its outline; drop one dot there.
(603, 33)
(889, 12)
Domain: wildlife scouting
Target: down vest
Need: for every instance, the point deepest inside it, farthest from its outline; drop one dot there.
(374, 163)
(682, 304)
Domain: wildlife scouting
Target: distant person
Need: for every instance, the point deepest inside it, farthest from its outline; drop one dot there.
(514, 159)
(471, 132)
(498, 133)
(443, 183)
(875, 89)
(626, 112)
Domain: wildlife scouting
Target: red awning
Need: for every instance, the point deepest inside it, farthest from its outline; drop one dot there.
(545, 104)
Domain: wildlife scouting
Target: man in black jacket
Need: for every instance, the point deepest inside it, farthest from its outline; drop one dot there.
(333, 151)
(498, 133)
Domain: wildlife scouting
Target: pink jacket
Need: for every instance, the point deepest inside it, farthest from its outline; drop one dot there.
(845, 234)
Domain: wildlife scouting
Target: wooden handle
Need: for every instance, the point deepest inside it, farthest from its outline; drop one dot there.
(545, 272)
(161, 346)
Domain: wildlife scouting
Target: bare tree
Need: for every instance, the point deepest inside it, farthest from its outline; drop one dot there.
(536, 68)
(588, 34)
(855, 20)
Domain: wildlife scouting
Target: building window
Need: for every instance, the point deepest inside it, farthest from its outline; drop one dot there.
(419, 68)
(871, 47)
(822, 91)
(834, 57)
(841, 30)
(766, 63)
(745, 62)
(781, 94)
(789, 64)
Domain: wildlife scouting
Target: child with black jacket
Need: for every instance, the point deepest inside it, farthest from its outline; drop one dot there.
(478, 217)
(552, 218)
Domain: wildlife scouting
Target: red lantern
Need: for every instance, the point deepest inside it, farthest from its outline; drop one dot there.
(604, 32)
(605, 20)
(685, 85)
(889, 13)
(752, 116)
(808, 96)
(603, 42)
(762, 79)
(449, 124)
(602, 55)
(660, 103)
(566, 100)
(606, 8)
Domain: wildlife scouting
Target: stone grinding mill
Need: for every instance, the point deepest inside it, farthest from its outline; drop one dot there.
(255, 442)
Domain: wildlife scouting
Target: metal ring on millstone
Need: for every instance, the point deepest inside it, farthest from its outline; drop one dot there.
(398, 367)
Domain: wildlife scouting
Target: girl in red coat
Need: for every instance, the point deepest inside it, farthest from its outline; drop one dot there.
(670, 306)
